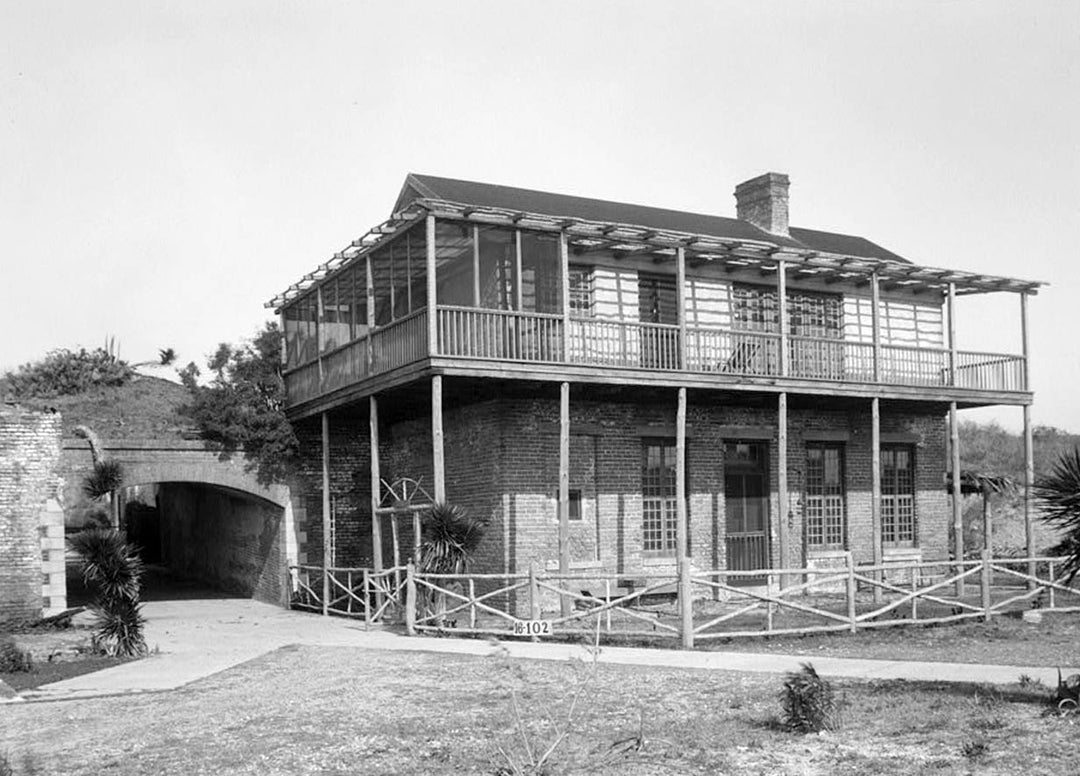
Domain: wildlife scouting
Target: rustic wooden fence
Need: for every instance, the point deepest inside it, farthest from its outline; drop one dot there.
(688, 606)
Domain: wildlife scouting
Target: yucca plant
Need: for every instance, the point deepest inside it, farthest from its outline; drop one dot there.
(113, 570)
(449, 537)
(1058, 493)
(808, 702)
(106, 476)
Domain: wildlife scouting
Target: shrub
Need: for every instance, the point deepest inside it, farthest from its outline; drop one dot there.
(65, 372)
(808, 702)
(113, 570)
(449, 538)
(13, 659)
(106, 476)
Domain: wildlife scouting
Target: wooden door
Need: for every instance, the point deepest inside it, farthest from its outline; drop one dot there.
(746, 500)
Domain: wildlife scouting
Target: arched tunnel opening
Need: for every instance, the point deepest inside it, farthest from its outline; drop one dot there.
(200, 540)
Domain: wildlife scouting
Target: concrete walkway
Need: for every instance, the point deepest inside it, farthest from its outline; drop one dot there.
(194, 639)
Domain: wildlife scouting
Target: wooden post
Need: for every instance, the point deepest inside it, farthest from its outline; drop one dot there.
(370, 313)
(770, 607)
(564, 282)
(564, 492)
(915, 572)
(782, 484)
(395, 538)
(517, 270)
(320, 332)
(988, 526)
(952, 333)
(410, 599)
(472, 603)
(476, 265)
(438, 462)
(957, 497)
(682, 533)
(417, 530)
(376, 486)
(785, 327)
(367, 597)
(432, 290)
(534, 592)
(875, 323)
(680, 294)
(1029, 459)
(985, 584)
(875, 498)
(326, 513)
(686, 606)
(850, 590)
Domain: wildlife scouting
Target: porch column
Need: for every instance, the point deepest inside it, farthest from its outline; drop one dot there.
(376, 483)
(782, 482)
(320, 332)
(1029, 460)
(370, 314)
(437, 461)
(957, 500)
(952, 333)
(325, 513)
(476, 266)
(785, 326)
(682, 532)
(680, 295)
(518, 303)
(875, 324)
(875, 484)
(432, 290)
(564, 490)
(564, 275)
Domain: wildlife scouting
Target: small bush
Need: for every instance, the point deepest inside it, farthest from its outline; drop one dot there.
(14, 660)
(808, 702)
(107, 476)
(975, 749)
(113, 569)
(66, 372)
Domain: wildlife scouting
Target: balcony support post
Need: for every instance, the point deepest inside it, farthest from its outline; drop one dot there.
(320, 333)
(432, 290)
(564, 276)
(781, 303)
(875, 484)
(782, 483)
(1029, 482)
(370, 313)
(376, 484)
(952, 333)
(957, 496)
(875, 323)
(437, 460)
(517, 270)
(327, 561)
(682, 532)
(475, 266)
(680, 294)
(564, 493)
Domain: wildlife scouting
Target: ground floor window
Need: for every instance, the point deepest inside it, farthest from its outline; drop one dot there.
(825, 510)
(898, 525)
(658, 501)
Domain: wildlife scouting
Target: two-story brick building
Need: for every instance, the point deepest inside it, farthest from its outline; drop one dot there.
(614, 386)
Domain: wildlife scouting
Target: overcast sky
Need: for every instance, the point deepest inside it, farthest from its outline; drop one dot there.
(167, 167)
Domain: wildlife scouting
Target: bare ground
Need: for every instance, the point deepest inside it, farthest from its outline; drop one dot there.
(347, 711)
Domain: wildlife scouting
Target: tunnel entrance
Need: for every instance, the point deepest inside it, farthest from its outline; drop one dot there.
(200, 540)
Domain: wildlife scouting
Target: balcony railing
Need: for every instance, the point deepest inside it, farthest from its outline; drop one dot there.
(509, 336)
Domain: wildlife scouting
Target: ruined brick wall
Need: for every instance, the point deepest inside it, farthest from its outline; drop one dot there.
(31, 522)
(231, 541)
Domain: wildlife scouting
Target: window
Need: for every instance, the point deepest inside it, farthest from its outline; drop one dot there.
(898, 495)
(658, 496)
(581, 292)
(575, 504)
(825, 520)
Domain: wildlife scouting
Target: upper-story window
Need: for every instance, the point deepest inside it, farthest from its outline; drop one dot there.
(581, 292)
(755, 308)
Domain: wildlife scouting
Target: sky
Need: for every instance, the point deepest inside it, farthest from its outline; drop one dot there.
(168, 167)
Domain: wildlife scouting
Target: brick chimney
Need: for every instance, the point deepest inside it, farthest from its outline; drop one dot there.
(763, 202)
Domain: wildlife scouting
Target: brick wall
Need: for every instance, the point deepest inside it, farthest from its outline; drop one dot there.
(231, 541)
(502, 461)
(31, 522)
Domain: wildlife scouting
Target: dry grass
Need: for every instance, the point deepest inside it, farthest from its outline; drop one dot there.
(340, 711)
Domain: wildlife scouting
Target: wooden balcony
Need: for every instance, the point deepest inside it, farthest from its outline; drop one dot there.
(556, 342)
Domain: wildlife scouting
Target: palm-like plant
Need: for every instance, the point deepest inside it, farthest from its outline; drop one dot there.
(449, 537)
(1059, 495)
(113, 569)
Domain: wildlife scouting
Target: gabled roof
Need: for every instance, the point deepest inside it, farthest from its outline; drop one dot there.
(529, 201)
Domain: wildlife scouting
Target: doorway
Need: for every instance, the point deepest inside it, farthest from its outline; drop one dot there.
(746, 507)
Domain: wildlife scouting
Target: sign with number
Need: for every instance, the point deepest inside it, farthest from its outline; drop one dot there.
(532, 628)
